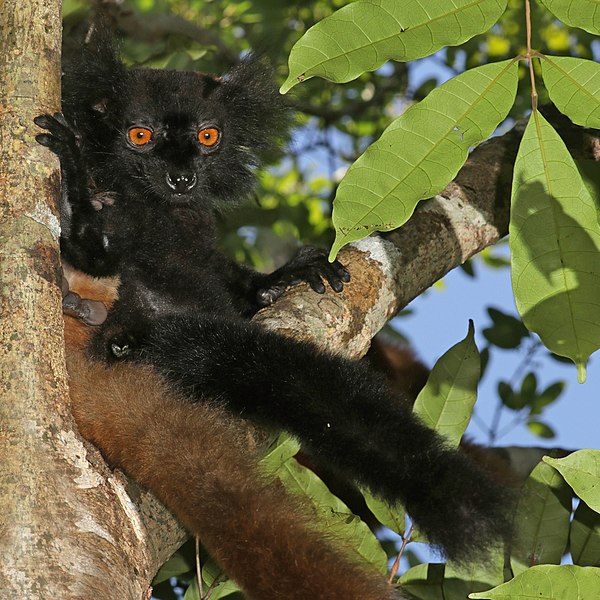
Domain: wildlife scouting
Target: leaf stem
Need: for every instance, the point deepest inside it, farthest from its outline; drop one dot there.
(530, 54)
(405, 540)
(199, 568)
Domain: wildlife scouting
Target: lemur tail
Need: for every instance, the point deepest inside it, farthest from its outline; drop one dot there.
(259, 534)
(346, 417)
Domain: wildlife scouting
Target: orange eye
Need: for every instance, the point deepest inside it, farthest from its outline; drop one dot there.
(140, 136)
(209, 137)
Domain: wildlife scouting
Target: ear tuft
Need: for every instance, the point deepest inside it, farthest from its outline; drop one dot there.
(262, 112)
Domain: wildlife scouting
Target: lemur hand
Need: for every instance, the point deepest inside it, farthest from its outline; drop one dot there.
(310, 264)
(61, 139)
(91, 312)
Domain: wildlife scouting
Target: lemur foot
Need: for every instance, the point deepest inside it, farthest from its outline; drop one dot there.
(91, 312)
(122, 346)
(114, 343)
(310, 264)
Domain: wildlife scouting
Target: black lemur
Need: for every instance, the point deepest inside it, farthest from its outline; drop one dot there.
(147, 155)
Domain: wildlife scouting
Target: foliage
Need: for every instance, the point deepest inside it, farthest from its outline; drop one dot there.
(446, 402)
(422, 151)
(382, 187)
(335, 131)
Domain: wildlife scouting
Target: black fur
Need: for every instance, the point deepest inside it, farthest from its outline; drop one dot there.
(183, 305)
(345, 415)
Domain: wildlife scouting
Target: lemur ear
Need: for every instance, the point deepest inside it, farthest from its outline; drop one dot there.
(261, 112)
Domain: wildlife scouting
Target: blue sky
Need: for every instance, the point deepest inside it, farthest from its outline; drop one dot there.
(440, 318)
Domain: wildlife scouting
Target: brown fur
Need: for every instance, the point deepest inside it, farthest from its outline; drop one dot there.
(406, 374)
(201, 463)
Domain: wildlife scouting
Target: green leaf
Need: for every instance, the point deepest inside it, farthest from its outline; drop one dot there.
(589, 171)
(548, 396)
(227, 589)
(585, 537)
(215, 578)
(485, 360)
(548, 582)
(452, 582)
(364, 35)
(581, 470)
(577, 13)
(446, 402)
(392, 517)
(541, 430)
(177, 565)
(283, 448)
(506, 332)
(529, 386)
(555, 245)
(574, 86)
(421, 151)
(334, 516)
(509, 397)
(192, 593)
(541, 522)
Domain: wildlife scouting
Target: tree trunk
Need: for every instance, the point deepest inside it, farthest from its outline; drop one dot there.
(68, 529)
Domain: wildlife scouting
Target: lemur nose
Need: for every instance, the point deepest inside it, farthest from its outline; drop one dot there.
(181, 183)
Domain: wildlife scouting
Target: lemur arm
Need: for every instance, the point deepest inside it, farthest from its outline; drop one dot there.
(83, 240)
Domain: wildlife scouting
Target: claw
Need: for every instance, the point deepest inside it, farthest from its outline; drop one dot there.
(336, 285)
(44, 140)
(43, 121)
(267, 296)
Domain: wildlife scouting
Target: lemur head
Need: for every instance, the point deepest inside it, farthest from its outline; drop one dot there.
(177, 137)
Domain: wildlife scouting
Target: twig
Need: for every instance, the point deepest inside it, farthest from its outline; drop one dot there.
(405, 541)
(199, 569)
(530, 54)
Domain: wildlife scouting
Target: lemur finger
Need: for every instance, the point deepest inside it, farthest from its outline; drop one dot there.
(336, 275)
(340, 270)
(61, 119)
(49, 141)
(90, 312)
(337, 285)
(315, 282)
(58, 128)
(44, 121)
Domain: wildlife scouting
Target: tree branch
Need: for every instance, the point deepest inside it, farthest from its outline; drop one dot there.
(389, 271)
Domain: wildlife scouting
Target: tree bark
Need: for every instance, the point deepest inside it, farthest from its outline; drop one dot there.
(69, 528)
